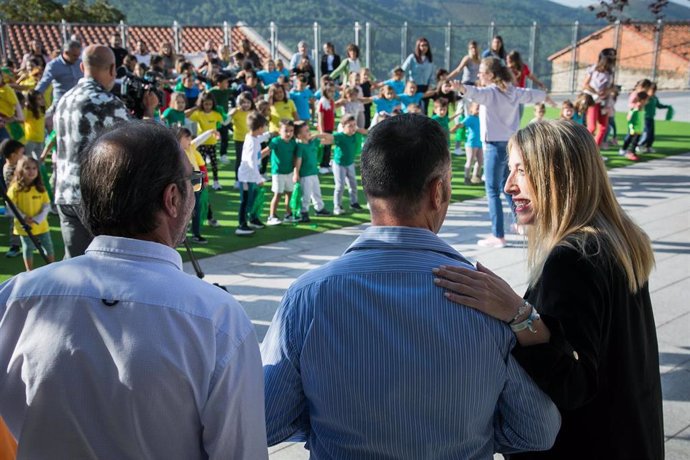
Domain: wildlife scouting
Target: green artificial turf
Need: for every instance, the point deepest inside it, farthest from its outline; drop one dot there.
(671, 138)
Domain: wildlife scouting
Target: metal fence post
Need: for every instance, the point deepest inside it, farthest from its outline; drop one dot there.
(3, 45)
(357, 29)
(617, 45)
(64, 30)
(123, 34)
(274, 39)
(367, 40)
(176, 37)
(573, 63)
(449, 31)
(532, 50)
(315, 52)
(226, 33)
(492, 32)
(658, 33)
(403, 42)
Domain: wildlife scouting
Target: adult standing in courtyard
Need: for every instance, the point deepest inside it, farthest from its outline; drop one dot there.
(585, 328)
(497, 50)
(119, 353)
(63, 72)
(599, 84)
(420, 68)
(366, 359)
(84, 111)
(499, 114)
(302, 53)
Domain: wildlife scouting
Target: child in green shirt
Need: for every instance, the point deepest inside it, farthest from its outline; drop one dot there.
(306, 170)
(283, 148)
(347, 145)
(635, 126)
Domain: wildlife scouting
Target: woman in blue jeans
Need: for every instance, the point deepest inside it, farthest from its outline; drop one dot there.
(499, 117)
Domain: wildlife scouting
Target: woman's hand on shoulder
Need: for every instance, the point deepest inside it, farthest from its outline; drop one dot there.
(480, 289)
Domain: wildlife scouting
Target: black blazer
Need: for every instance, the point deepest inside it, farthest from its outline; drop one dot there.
(324, 64)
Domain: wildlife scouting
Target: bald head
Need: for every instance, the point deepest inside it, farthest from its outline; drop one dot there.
(97, 57)
(99, 64)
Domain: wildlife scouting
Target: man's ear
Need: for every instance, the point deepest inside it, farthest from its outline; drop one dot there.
(436, 193)
(171, 200)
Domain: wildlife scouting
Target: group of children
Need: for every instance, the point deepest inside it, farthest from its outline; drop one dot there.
(642, 105)
(270, 113)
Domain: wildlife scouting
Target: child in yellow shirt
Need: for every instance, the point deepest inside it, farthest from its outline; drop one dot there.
(205, 115)
(29, 195)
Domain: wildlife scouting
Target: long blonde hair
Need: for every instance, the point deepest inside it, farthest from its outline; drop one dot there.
(574, 203)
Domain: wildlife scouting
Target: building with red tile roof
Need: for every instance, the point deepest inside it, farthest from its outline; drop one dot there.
(189, 40)
(636, 55)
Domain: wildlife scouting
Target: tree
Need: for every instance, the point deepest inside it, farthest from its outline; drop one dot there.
(30, 10)
(612, 10)
(100, 11)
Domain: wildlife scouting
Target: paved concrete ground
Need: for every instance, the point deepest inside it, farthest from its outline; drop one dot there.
(656, 194)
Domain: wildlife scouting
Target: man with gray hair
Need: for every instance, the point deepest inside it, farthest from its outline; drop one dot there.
(63, 72)
(84, 111)
(302, 52)
(119, 353)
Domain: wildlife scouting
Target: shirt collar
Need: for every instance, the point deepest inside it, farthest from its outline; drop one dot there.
(412, 238)
(129, 248)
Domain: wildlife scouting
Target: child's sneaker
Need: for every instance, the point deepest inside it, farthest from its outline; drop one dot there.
(631, 156)
(338, 211)
(621, 152)
(256, 224)
(244, 230)
(213, 223)
(224, 159)
(290, 218)
(273, 220)
(323, 212)
(458, 152)
(324, 170)
(198, 239)
(356, 206)
(216, 185)
(13, 252)
(304, 218)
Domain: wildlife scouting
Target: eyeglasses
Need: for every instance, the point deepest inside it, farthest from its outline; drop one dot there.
(196, 179)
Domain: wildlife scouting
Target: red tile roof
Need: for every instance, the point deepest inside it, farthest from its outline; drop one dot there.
(192, 38)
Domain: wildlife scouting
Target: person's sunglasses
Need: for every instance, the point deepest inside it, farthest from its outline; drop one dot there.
(196, 179)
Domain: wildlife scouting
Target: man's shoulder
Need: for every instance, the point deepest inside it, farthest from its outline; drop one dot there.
(103, 278)
(368, 262)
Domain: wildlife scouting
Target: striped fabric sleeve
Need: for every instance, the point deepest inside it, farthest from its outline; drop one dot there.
(525, 419)
(286, 404)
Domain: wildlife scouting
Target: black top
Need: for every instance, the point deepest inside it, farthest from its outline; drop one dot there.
(601, 367)
(324, 64)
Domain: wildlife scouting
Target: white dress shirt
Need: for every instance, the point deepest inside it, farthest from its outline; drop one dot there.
(120, 354)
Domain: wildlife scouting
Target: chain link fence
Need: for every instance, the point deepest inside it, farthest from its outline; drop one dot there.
(557, 54)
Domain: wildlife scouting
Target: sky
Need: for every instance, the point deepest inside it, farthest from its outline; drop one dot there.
(590, 2)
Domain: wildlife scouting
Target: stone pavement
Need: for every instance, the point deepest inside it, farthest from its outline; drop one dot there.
(657, 196)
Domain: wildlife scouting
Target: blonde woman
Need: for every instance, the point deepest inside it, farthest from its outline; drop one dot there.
(499, 117)
(585, 329)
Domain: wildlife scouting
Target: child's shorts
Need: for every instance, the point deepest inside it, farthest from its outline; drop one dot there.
(282, 183)
(28, 245)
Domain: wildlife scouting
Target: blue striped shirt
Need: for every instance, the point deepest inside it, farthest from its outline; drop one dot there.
(365, 358)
